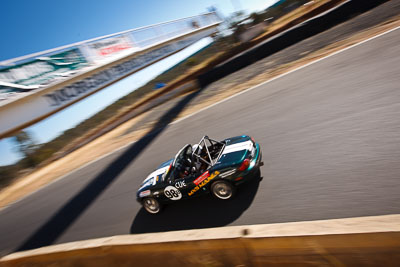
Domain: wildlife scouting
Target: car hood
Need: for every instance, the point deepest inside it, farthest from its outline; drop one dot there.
(153, 178)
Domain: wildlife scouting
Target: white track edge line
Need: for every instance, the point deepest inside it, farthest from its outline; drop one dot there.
(205, 108)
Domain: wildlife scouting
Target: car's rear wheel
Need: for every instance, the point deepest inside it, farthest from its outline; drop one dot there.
(151, 205)
(223, 190)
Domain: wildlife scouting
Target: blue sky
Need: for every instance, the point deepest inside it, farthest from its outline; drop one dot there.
(33, 26)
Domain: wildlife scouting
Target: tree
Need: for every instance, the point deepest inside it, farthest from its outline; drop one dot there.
(256, 18)
(27, 146)
(235, 22)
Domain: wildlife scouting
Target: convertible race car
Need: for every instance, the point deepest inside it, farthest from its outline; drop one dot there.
(209, 166)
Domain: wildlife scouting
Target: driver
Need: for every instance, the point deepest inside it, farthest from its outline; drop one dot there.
(186, 167)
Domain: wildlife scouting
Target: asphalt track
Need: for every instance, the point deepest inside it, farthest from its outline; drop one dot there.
(330, 134)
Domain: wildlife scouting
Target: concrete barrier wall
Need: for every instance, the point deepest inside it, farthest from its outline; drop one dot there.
(366, 241)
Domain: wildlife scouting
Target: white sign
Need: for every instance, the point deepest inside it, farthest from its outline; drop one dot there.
(108, 48)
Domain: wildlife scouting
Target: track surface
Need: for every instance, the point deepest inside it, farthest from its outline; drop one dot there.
(330, 135)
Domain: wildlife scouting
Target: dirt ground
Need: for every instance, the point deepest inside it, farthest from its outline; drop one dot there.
(263, 70)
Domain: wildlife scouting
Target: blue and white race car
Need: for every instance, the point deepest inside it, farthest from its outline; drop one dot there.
(209, 166)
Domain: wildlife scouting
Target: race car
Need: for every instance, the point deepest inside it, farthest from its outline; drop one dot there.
(209, 166)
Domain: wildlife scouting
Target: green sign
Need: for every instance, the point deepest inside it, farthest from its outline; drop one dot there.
(43, 70)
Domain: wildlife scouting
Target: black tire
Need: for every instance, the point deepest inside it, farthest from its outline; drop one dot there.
(223, 190)
(151, 205)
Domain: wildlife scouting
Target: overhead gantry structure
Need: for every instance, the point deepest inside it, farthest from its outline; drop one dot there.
(36, 86)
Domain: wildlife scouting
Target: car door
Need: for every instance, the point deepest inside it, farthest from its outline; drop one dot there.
(184, 185)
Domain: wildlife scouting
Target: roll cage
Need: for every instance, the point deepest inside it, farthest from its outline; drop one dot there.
(196, 158)
(208, 151)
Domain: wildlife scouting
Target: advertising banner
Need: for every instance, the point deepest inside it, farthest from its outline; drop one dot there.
(108, 48)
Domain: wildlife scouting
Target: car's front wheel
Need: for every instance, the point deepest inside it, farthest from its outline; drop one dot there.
(151, 205)
(222, 189)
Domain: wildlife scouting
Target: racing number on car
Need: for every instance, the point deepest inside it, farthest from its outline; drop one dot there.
(172, 193)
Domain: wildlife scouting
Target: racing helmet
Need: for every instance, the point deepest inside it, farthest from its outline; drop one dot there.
(197, 147)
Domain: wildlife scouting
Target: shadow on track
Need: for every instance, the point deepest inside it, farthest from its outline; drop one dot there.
(64, 217)
(197, 213)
